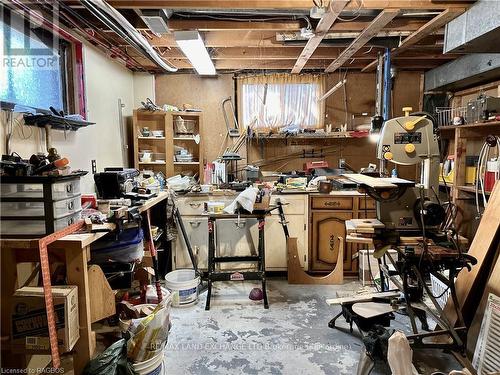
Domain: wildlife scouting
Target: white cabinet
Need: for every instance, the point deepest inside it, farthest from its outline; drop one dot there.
(297, 217)
(241, 237)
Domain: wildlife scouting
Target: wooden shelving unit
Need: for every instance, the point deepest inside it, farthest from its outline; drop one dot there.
(465, 138)
(163, 148)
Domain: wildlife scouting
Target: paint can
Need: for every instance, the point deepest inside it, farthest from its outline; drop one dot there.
(183, 284)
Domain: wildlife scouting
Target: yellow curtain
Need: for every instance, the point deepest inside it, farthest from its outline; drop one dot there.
(274, 102)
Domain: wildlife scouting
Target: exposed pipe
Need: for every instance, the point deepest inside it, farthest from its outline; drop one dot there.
(119, 24)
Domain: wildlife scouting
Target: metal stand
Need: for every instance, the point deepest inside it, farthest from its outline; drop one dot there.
(213, 275)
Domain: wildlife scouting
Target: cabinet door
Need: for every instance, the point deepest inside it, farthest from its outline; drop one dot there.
(276, 244)
(326, 228)
(197, 233)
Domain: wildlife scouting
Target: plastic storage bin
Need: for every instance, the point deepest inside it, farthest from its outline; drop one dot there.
(34, 206)
(60, 190)
(35, 227)
(60, 208)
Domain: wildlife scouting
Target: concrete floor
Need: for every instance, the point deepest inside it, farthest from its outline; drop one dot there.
(238, 336)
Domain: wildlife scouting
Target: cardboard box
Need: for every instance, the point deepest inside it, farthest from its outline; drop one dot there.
(29, 329)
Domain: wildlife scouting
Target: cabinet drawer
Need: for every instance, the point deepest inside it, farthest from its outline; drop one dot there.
(332, 203)
(293, 204)
(366, 203)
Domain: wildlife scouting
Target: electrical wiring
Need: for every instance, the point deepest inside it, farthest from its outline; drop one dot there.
(357, 12)
(291, 18)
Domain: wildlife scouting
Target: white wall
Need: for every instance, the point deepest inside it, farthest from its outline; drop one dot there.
(144, 87)
(105, 82)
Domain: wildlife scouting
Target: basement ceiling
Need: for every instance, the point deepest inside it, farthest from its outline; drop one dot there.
(263, 35)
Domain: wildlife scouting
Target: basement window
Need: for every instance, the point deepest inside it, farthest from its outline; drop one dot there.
(38, 67)
(281, 101)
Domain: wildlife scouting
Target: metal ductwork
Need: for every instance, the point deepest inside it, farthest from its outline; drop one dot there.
(119, 24)
(475, 31)
(466, 71)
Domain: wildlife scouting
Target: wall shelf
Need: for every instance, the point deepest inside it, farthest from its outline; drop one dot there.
(152, 138)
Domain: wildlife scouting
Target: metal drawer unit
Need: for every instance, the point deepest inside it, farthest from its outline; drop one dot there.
(35, 206)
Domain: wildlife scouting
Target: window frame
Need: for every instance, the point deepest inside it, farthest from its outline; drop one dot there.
(70, 50)
(279, 78)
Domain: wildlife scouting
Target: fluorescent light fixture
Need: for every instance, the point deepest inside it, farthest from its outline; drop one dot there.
(333, 89)
(193, 47)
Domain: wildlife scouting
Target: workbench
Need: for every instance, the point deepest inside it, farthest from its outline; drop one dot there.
(74, 251)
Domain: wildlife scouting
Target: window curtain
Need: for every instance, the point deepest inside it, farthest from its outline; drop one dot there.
(270, 103)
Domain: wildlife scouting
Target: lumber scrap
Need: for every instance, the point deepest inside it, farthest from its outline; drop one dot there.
(296, 275)
(484, 247)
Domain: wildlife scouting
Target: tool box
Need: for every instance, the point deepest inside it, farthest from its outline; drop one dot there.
(29, 329)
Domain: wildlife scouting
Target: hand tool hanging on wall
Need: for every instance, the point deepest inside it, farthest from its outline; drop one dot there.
(152, 251)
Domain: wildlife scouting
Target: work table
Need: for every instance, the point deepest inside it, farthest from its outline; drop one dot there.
(314, 218)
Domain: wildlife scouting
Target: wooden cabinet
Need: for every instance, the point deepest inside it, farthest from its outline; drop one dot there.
(241, 237)
(328, 214)
(326, 227)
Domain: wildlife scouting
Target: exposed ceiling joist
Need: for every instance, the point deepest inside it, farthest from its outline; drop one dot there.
(265, 64)
(364, 37)
(280, 4)
(400, 24)
(430, 27)
(323, 27)
(278, 53)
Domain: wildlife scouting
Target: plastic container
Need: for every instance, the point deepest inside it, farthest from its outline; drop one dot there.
(183, 284)
(35, 227)
(128, 247)
(60, 190)
(60, 208)
(183, 126)
(153, 366)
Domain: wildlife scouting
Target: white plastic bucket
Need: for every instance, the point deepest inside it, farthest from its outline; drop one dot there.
(183, 284)
(153, 366)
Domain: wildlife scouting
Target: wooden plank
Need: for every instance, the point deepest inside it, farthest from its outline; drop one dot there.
(493, 286)
(484, 247)
(361, 298)
(297, 275)
(373, 182)
(430, 27)
(371, 309)
(102, 298)
(279, 4)
(76, 270)
(373, 28)
(323, 27)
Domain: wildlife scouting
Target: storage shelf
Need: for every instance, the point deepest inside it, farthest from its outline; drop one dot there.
(152, 162)
(480, 125)
(151, 138)
(184, 139)
(186, 162)
(471, 189)
(315, 136)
